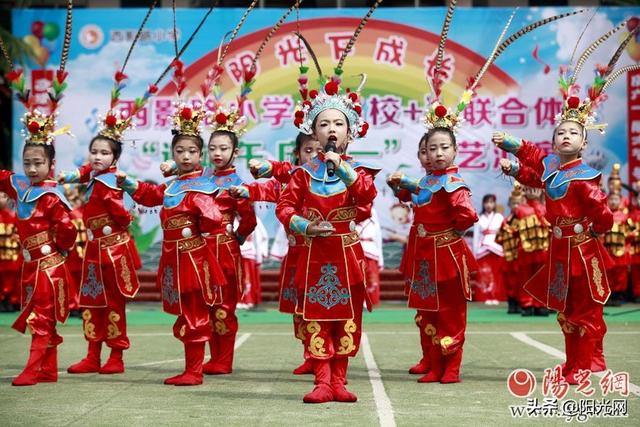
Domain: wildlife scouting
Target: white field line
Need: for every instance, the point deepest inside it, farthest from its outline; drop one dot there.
(552, 351)
(383, 403)
(241, 340)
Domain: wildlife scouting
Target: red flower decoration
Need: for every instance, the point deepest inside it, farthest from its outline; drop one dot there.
(186, 113)
(120, 76)
(34, 127)
(365, 128)
(308, 103)
(221, 118)
(249, 75)
(573, 102)
(441, 111)
(313, 94)
(358, 109)
(331, 88)
(153, 89)
(61, 76)
(304, 93)
(177, 64)
(353, 96)
(298, 121)
(300, 114)
(14, 75)
(110, 120)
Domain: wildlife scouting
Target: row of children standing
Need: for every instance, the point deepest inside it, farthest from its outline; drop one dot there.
(320, 205)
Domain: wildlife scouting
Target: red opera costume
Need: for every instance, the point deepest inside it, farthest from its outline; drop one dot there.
(226, 247)
(10, 259)
(634, 217)
(329, 272)
(108, 269)
(438, 275)
(77, 255)
(615, 241)
(46, 234)
(574, 279)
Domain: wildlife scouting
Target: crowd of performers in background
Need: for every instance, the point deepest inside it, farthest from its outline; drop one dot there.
(565, 246)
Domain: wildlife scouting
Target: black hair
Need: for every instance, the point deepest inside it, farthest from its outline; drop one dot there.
(195, 138)
(486, 198)
(301, 138)
(232, 136)
(49, 150)
(116, 146)
(435, 130)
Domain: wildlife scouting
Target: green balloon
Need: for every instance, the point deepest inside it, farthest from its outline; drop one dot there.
(51, 31)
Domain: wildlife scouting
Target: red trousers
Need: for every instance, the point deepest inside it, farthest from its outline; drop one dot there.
(325, 339)
(194, 324)
(252, 285)
(525, 272)
(618, 278)
(107, 324)
(446, 327)
(10, 286)
(489, 284)
(372, 270)
(511, 280)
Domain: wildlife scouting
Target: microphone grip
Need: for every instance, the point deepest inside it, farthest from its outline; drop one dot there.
(331, 167)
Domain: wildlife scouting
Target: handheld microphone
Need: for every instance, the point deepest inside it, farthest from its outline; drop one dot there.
(331, 167)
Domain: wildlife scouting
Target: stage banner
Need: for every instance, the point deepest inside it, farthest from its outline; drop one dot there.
(396, 50)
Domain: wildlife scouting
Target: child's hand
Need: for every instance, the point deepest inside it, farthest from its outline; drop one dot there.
(60, 178)
(255, 166)
(395, 178)
(120, 177)
(165, 168)
(239, 192)
(320, 228)
(497, 138)
(505, 165)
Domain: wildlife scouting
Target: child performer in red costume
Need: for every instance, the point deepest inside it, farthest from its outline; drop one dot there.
(44, 226)
(189, 274)
(306, 148)
(321, 203)
(111, 258)
(439, 269)
(10, 257)
(615, 241)
(634, 219)
(574, 280)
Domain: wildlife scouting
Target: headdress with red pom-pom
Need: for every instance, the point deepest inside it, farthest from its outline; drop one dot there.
(440, 116)
(583, 112)
(331, 95)
(40, 127)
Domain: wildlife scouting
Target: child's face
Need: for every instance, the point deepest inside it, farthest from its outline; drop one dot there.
(308, 150)
(221, 151)
(332, 125)
(568, 138)
(186, 154)
(36, 164)
(100, 155)
(424, 157)
(614, 201)
(399, 214)
(441, 152)
(4, 200)
(489, 205)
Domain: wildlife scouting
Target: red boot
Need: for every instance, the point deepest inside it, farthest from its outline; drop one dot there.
(322, 392)
(221, 362)
(339, 367)
(598, 364)
(115, 364)
(423, 366)
(584, 355)
(89, 364)
(305, 368)
(437, 366)
(192, 375)
(452, 364)
(29, 376)
(49, 370)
